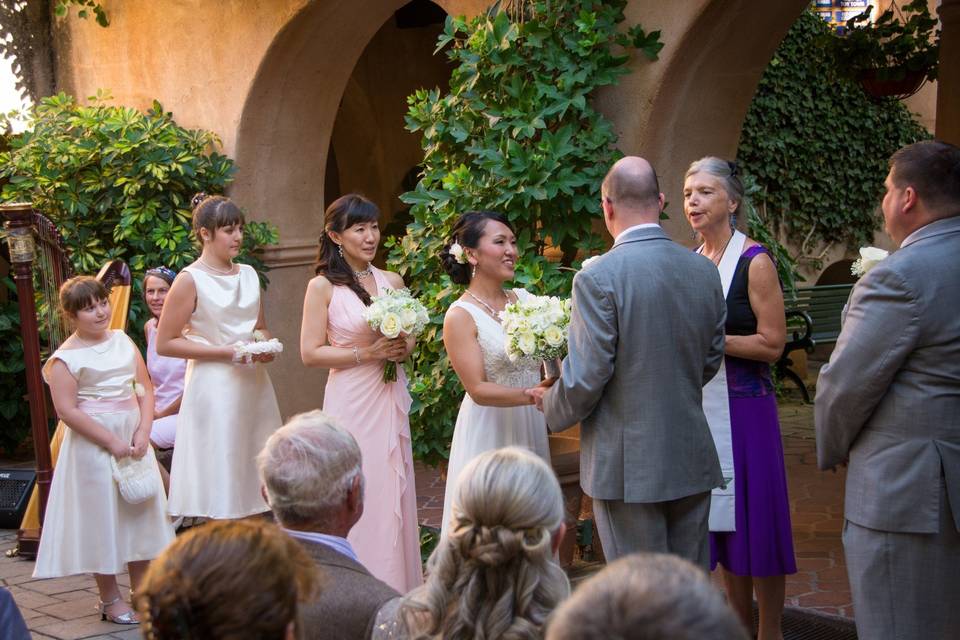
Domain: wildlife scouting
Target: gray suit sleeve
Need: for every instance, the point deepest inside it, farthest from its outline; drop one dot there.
(590, 360)
(715, 355)
(880, 330)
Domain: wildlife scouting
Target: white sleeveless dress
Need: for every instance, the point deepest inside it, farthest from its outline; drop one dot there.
(228, 410)
(88, 527)
(481, 428)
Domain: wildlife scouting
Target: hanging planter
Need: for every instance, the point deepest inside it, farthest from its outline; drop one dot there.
(893, 56)
(878, 86)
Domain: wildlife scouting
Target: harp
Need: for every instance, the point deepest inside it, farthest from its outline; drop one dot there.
(38, 255)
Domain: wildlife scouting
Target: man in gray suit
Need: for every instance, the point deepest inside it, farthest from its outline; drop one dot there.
(645, 335)
(312, 479)
(889, 400)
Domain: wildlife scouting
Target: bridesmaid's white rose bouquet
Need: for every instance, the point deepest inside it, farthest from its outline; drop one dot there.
(394, 313)
(536, 328)
(869, 258)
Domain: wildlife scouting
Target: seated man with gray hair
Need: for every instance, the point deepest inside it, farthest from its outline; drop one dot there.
(312, 479)
(646, 596)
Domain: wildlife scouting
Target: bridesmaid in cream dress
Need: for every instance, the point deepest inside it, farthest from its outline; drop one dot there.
(335, 335)
(229, 409)
(89, 527)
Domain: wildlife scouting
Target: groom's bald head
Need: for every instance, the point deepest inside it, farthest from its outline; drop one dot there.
(631, 189)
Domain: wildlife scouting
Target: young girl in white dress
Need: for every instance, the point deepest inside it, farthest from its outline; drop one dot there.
(229, 408)
(496, 410)
(94, 378)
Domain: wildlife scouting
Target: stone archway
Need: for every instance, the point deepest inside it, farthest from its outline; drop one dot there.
(689, 104)
(693, 101)
(282, 147)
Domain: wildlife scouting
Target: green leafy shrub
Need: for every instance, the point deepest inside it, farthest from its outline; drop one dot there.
(515, 133)
(14, 412)
(818, 146)
(117, 183)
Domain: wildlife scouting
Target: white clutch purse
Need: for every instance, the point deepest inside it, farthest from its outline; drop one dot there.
(137, 479)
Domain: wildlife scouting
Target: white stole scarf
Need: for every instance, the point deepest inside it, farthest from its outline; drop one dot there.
(716, 406)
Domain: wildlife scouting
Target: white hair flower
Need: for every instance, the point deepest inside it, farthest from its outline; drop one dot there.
(457, 252)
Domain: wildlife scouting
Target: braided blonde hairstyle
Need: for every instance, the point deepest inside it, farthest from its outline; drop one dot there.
(494, 576)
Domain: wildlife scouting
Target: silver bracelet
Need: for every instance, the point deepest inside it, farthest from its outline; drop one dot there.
(356, 354)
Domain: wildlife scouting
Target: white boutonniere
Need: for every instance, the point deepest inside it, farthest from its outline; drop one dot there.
(869, 258)
(587, 261)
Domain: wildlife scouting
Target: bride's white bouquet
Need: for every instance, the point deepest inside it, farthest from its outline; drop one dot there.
(394, 313)
(536, 328)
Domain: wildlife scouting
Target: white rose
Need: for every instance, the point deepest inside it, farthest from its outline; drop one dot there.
(554, 336)
(869, 258)
(527, 343)
(390, 325)
(583, 265)
(408, 320)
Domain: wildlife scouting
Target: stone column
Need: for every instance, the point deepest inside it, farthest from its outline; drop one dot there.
(948, 80)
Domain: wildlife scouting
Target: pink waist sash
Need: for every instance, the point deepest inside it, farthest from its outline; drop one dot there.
(93, 407)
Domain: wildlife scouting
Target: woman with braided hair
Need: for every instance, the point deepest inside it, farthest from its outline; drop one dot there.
(494, 574)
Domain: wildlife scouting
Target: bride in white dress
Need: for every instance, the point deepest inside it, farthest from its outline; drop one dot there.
(496, 410)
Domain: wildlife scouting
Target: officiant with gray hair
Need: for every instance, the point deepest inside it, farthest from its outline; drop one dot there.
(313, 480)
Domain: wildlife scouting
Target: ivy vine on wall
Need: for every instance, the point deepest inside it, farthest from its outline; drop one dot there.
(515, 133)
(818, 146)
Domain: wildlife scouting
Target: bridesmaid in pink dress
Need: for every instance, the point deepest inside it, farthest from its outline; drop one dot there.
(334, 335)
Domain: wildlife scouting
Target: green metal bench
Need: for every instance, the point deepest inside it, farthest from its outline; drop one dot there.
(813, 317)
(824, 304)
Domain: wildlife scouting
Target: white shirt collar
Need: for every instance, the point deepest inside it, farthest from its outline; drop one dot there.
(341, 545)
(645, 225)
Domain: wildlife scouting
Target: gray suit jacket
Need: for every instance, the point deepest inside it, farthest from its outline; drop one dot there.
(890, 396)
(349, 600)
(646, 334)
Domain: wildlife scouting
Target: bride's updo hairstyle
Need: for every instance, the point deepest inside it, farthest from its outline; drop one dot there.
(467, 231)
(494, 575)
(343, 213)
(212, 213)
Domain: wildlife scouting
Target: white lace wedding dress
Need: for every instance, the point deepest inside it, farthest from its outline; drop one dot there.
(481, 428)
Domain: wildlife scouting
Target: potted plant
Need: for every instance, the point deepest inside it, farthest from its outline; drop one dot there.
(894, 55)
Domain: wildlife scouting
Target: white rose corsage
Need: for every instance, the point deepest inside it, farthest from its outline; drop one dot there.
(869, 258)
(457, 252)
(587, 261)
(245, 351)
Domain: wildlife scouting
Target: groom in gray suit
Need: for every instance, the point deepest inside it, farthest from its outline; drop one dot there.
(889, 401)
(645, 335)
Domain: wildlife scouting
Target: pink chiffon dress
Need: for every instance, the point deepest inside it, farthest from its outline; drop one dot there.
(386, 539)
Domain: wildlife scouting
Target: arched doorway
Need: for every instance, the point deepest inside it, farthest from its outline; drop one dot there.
(324, 116)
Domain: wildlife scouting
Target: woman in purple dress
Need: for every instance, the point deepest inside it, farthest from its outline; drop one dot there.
(758, 553)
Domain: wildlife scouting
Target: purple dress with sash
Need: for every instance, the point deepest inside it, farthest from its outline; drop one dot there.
(762, 544)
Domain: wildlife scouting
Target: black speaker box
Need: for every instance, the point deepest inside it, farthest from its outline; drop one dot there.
(15, 488)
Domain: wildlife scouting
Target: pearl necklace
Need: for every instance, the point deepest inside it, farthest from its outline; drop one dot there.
(493, 312)
(228, 272)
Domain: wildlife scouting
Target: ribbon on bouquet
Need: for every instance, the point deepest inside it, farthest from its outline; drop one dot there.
(716, 407)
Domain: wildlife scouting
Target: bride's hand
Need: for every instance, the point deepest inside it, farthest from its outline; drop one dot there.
(386, 349)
